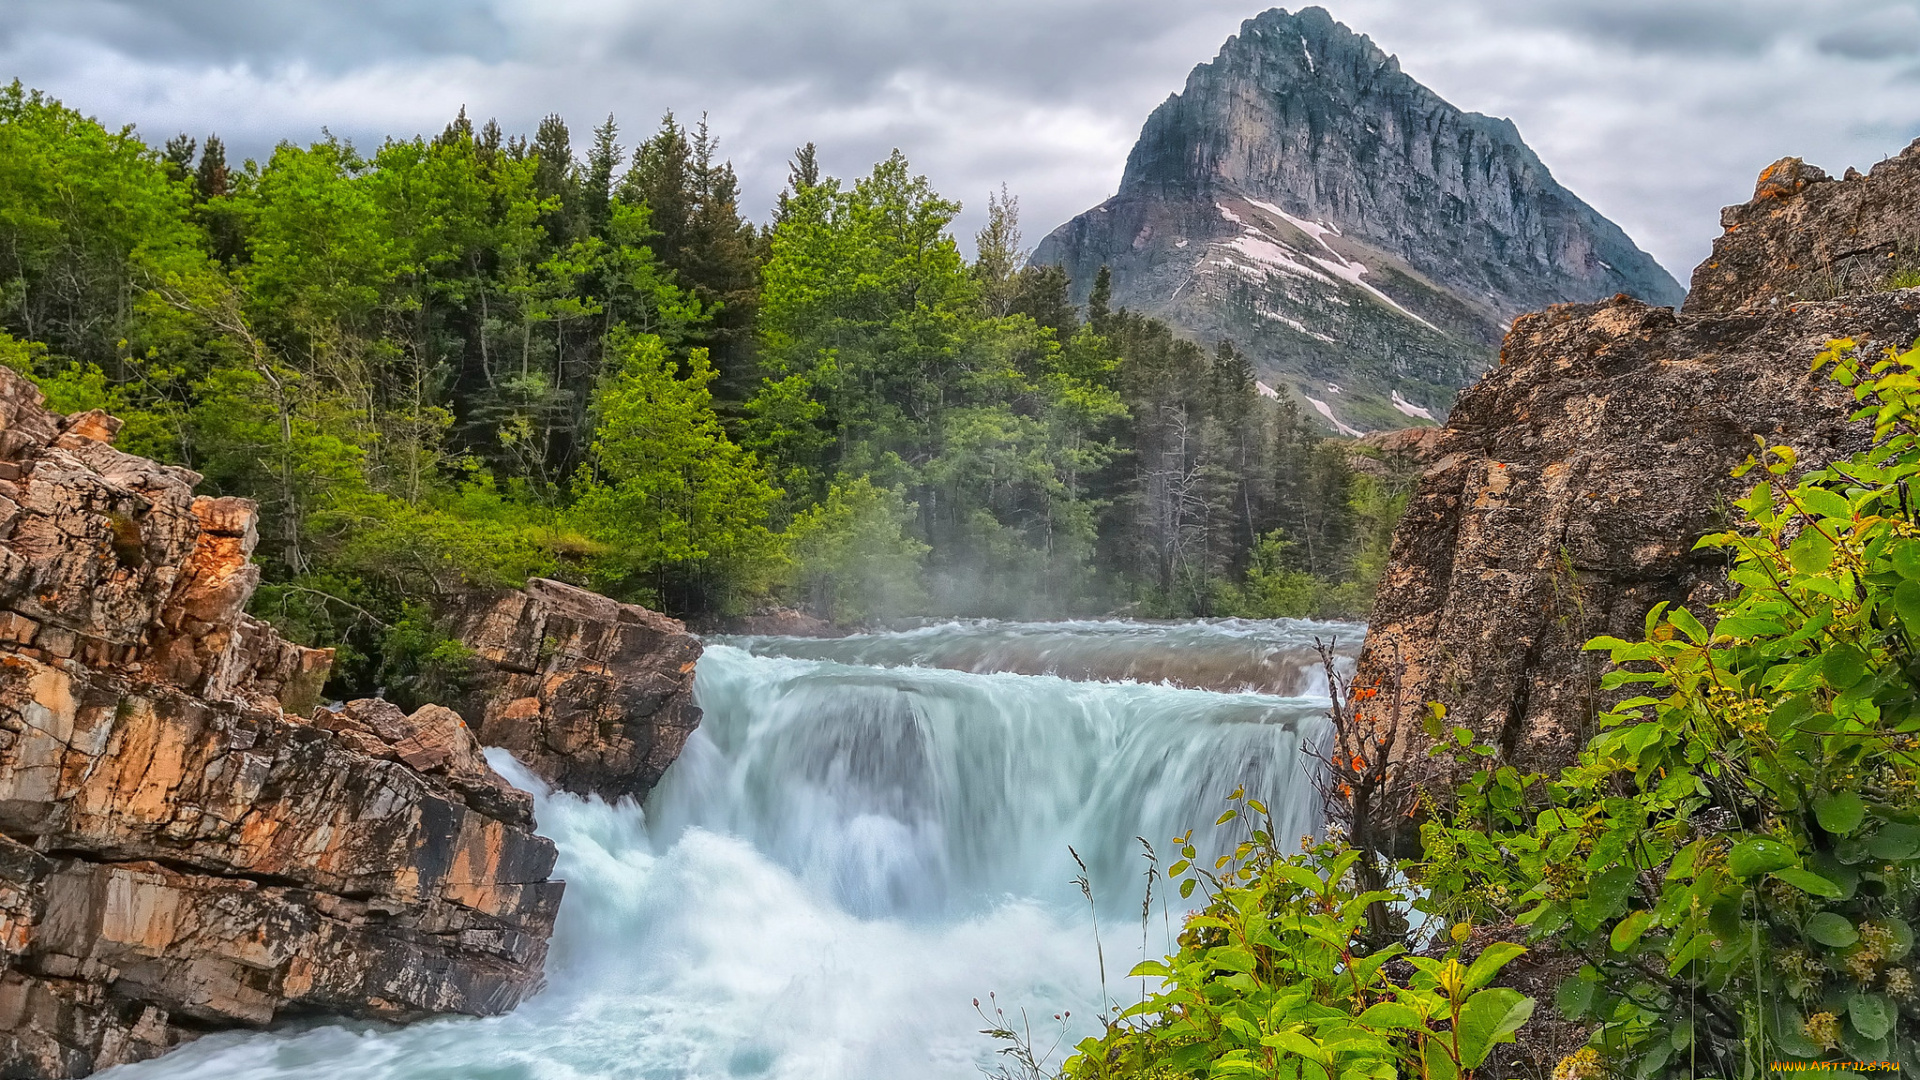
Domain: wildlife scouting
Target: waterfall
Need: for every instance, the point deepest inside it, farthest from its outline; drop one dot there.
(864, 835)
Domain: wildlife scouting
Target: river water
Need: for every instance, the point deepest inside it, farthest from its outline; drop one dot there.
(864, 835)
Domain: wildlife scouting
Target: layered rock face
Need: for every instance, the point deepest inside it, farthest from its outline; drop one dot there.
(1573, 482)
(595, 696)
(1361, 238)
(180, 850)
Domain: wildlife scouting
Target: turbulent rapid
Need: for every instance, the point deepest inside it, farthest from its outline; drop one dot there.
(865, 834)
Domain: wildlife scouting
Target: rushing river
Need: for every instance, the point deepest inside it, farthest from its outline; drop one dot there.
(864, 835)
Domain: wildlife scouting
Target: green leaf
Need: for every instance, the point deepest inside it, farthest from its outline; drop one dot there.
(1809, 882)
(1843, 666)
(1823, 503)
(1295, 1042)
(1629, 930)
(1831, 930)
(1574, 997)
(1811, 552)
(1748, 626)
(1902, 936)
(1390, 1014)
(1488, 1018)
(1895, 842)
(1232, 957)
(1906, 604)
(1759, 855)
(1906, 559)
(1683, 620)
(1840, 813)
(1872, 1015)
(1488, 964)
(1303, 877)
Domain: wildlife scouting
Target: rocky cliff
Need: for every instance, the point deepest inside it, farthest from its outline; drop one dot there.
(1365, 241)
(180, 849)
(1805, 236)
(1573, 481)
(595, 696)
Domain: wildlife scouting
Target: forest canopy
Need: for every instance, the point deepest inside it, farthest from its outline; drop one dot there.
(457, 361)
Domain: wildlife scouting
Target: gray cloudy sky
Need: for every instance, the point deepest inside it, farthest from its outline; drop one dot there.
(1656, 111)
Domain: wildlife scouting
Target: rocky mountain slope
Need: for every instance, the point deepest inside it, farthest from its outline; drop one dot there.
(1365, 241)
(1573, 481)
(186, 844)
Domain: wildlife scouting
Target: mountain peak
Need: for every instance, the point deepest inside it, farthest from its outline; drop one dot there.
(1304, 197)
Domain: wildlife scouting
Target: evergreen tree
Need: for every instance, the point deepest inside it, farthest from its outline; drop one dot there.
(211, 179)
(179, 155)
(803, 172)
(999, 256)
(1100, 299)
(597, 183)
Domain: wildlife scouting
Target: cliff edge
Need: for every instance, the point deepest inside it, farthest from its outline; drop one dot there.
(1572, 482)
(181, 850)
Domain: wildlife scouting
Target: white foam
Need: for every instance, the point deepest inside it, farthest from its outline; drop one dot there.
(843, 858)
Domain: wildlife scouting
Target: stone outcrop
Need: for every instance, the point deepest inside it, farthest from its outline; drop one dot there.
(180, 849)
(1571, 486)
(1806, 236)
(1362, 239)
(595, 696)
(1573, 481)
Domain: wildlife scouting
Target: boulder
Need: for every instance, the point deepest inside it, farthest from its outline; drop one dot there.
(1805, 236)
(181, 850)
(595, 696)
(1570, 487)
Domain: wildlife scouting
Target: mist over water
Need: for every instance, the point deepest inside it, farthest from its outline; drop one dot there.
(864, 835)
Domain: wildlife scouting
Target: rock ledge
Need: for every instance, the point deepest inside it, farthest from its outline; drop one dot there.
(180, 849)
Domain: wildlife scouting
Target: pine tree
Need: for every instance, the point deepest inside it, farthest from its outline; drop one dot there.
(998, 254)
(693, 208)
(803, 172)
(211, 180)
(1099, 299)
(602, 160)
(555, 178)
(460, 130)
(179, 156)
(490, 142)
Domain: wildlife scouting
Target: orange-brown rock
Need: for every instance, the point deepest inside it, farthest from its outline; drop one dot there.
(595, 696)
(1804, 236)
(1571, 486)
(180, 849)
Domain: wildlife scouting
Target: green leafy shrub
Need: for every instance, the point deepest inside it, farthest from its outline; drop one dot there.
(855, 555)
(1272, 980)
(1737, 855)
(421, 663)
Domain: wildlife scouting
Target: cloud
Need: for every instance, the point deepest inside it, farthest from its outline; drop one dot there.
(1891, 31)
(1656, 111)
